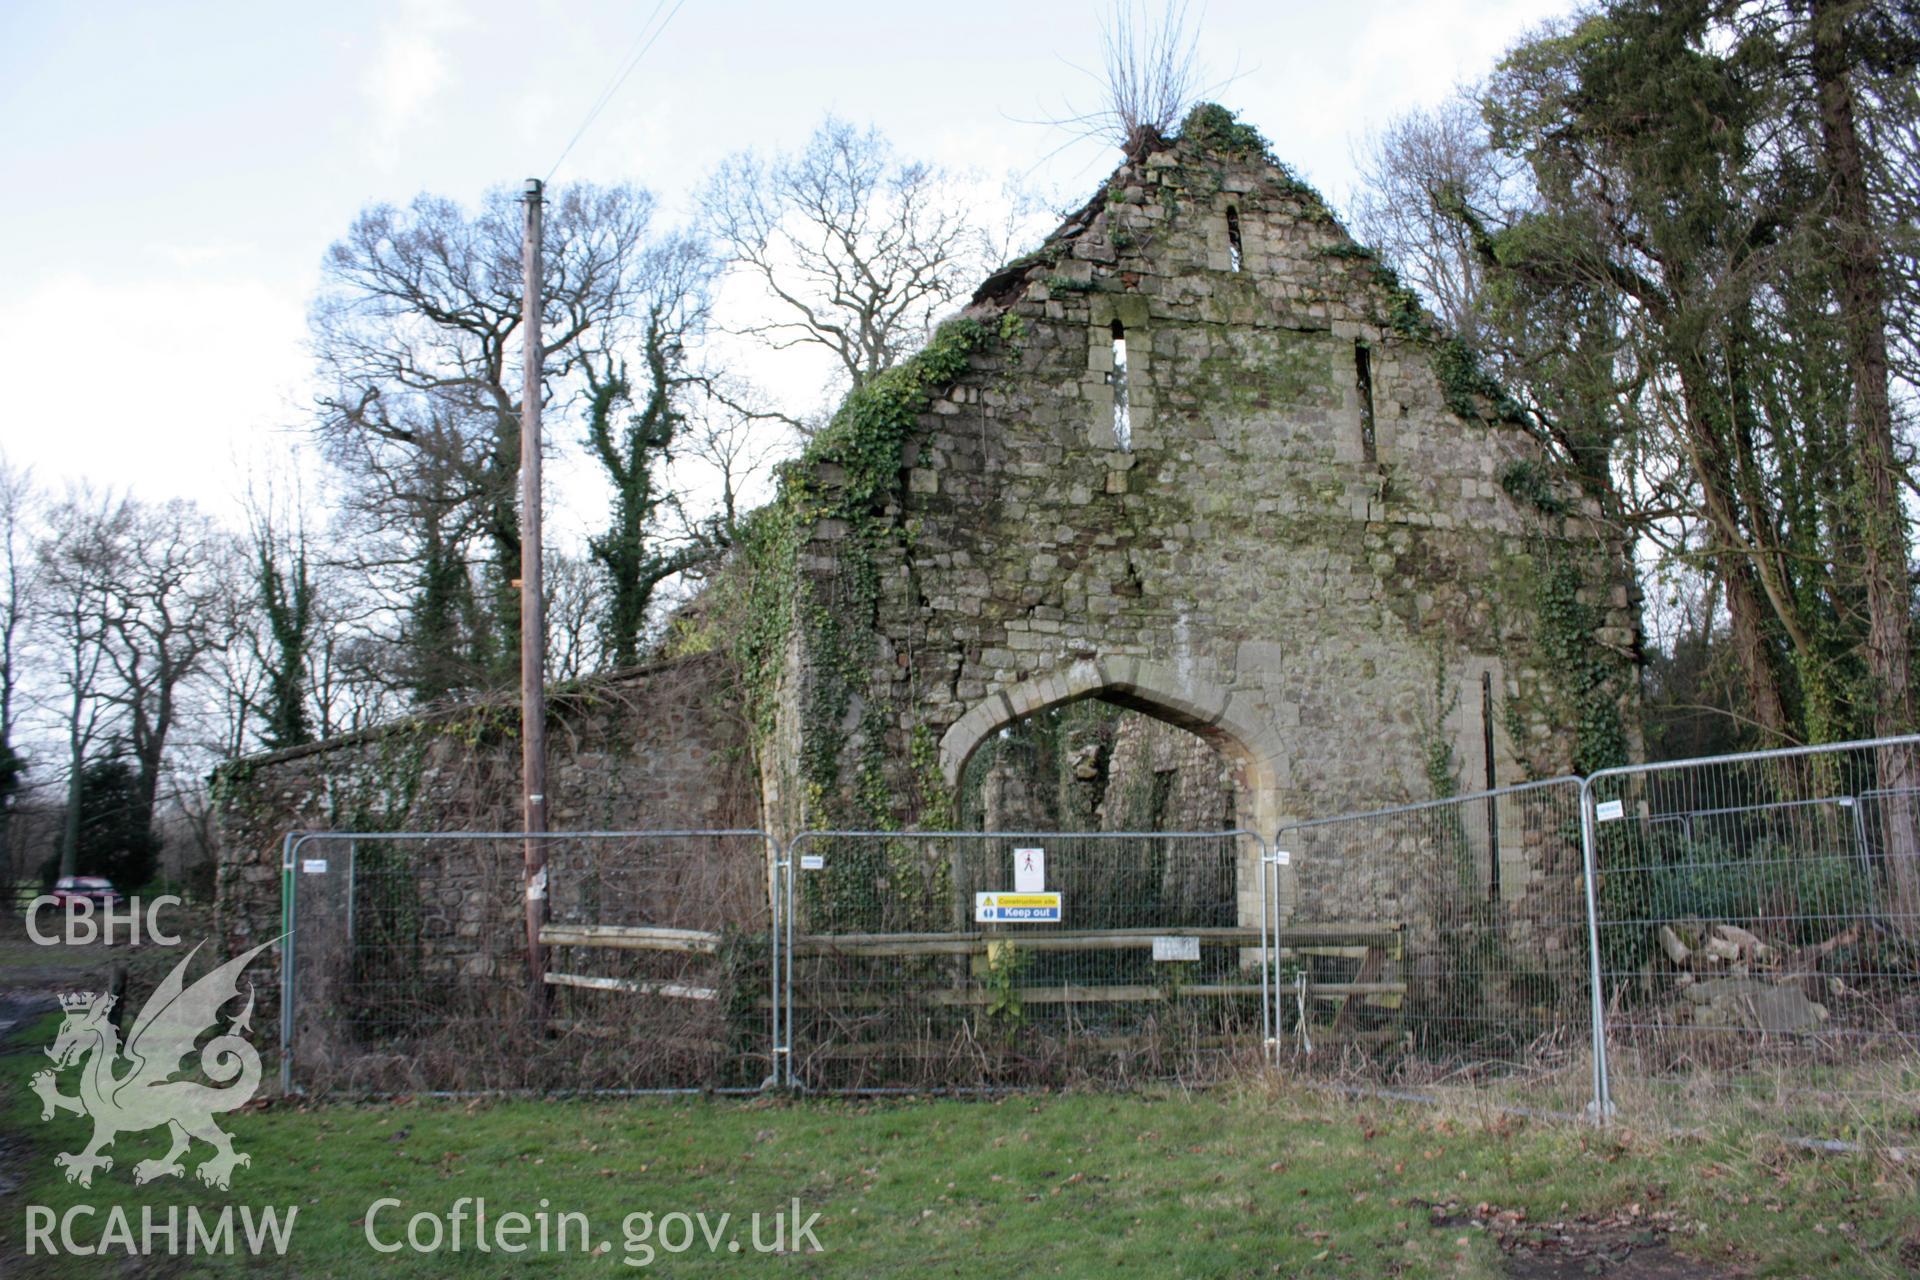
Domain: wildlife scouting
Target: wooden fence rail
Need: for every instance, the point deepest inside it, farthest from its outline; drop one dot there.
(653, 938)
(1375, 941)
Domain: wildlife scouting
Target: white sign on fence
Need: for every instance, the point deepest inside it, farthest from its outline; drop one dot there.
(1029, 870)
(314, 866)
(1170, 948)
(1016, 908)
(813, 862)
(1610, 810)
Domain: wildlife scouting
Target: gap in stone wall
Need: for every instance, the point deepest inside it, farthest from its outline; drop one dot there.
(1093, 766)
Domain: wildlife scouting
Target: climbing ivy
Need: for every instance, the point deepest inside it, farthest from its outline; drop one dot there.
(1587, 673)
(937, 801)
(1531, 482)
(1470, 390)
(842, 483)
(867, 433)
(1436, 748)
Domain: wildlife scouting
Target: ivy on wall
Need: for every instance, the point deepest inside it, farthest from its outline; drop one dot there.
(1588, 673)
(840, 488)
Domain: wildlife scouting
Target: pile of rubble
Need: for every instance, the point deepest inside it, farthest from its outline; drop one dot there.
(1728, 976)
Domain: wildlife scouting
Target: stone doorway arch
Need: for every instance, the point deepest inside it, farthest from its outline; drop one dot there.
(1226, 720)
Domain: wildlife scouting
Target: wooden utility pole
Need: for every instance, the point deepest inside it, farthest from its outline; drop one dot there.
(533, 620)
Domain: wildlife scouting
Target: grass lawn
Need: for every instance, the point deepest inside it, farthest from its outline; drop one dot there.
(1238, 1182)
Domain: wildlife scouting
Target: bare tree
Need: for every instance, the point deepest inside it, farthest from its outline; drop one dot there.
(240, 686)
(853, 250)
(416, 329)
(137, 601)
(18, 500)
(728, 455)
(351, 661)
(1148, 78)
(79, 565)
(576, 604)
(1426, 180)
(176, 603)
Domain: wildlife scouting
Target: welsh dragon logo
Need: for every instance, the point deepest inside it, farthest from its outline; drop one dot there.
(126, 1090)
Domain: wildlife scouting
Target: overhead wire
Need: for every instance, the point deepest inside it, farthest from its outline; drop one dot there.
(639, 51)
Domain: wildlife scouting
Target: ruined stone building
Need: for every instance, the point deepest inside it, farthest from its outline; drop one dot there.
(1199, 457)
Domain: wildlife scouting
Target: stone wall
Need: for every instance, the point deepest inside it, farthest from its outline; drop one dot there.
(1305, 551)
(658, 747)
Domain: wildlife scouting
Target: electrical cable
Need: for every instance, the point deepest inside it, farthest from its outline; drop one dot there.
(621, 78)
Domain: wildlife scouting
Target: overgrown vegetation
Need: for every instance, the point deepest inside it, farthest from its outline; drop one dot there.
(1775, 887)
(1532, 482)
(1212, 127)
(1661, 225)
(842, 482)
(1591, 677)
(1239, 1182)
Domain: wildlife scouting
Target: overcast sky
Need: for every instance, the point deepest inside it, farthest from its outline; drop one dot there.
(175, 170)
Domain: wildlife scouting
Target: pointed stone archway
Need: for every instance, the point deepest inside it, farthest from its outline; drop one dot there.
(1227, 721)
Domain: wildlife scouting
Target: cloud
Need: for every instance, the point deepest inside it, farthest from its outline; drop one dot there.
(151, 383)
(407, 70)
(200, 256)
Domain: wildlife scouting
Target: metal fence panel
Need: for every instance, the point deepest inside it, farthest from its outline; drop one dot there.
(1148, 970)
(1743, 930)
(406, 964)
(1438, 943)
(1759, 937)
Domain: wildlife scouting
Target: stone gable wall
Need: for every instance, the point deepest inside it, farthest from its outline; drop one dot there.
(1252, 567)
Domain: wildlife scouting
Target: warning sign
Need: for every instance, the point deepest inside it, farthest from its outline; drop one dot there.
(1166, 949)
(1012, 908)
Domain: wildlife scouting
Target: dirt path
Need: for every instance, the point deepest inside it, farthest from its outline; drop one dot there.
(1630, 1244)
(33, 976)
(32, 979)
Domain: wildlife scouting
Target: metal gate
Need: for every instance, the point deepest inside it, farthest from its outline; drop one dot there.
(917, 960)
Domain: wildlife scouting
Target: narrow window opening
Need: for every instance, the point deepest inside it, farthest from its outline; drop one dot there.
(1493, 804)
(1233, 237)
(1122, 418)
(1363, 379)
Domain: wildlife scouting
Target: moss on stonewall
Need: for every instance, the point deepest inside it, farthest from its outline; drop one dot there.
(1251, 370)
(1211, 127)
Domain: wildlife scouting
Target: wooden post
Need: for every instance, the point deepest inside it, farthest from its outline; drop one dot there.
(533, 632)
